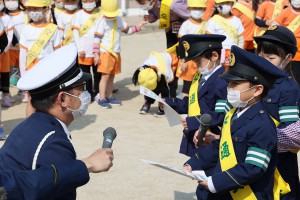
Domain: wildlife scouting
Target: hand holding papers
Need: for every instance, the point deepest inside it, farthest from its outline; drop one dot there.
(195, 175)
(172, 116)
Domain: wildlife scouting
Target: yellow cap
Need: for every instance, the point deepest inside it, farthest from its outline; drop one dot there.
(109, 8)
(196, 3)
(148, 78)
(223, 1)
(38, 3)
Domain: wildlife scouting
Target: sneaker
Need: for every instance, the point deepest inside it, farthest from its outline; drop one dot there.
(113, 101)
(145, 109)
(6, 101)
(160, 113)
(24, 97)
(104, 103)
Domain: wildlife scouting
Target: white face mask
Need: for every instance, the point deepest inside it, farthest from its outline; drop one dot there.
(85, 100)
(295, 3)
(197, 14)
(12, 5)
(204, 70)
(89, 6)
(110, 19)
(59, 5)
(1, 6)
(234, 98)
(147, 6)
(224, 9)
(70, 7)
(36, 16)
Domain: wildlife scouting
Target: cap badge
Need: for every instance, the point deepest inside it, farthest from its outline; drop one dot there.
(186, 45)
(232, 60)
(272, 28)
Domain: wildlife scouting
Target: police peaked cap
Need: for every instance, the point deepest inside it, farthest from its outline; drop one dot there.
(245, 65)
(280, 35)
(196, 45)
(56, 72)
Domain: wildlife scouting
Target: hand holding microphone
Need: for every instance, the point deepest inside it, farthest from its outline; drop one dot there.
(101, 160)
(205, 121)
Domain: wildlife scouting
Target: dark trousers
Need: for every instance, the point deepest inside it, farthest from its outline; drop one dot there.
(172, 39)
(92, 85)
(5, 82)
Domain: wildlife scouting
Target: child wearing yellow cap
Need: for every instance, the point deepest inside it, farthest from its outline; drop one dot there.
(4, 57)
(107, 49)
(224, 23)
(194, 25)
(155, 74)
(38, 39)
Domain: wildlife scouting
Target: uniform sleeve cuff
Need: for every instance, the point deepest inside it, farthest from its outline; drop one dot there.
(211, 186)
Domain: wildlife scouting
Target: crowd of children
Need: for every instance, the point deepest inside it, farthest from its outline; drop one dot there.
(239, 62)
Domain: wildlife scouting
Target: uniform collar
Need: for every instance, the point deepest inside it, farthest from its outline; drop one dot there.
(65, 128)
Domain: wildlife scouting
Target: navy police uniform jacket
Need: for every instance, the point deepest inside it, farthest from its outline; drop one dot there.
(45, 182)
(282, 103)
(213, 91)
(40, 140)
(252, 131)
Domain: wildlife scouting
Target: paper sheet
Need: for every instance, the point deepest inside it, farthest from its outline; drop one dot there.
(195, 175)
(172, 116)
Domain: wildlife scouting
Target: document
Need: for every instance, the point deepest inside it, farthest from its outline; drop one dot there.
(172, 116)
(195, 175)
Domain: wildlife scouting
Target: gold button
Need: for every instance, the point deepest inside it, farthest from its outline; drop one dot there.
(261, 111)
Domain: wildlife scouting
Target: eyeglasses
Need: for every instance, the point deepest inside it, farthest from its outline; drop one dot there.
(80, 87)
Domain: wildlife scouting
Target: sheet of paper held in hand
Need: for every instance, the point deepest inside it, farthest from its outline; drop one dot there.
(195, 175)
(173, 117)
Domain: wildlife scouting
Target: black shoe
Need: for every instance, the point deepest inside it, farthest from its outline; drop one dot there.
(145, 109)
(160, 113)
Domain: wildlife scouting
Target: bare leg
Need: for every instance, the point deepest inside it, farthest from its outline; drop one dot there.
(103, 86)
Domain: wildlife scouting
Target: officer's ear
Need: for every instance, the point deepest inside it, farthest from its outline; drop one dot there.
(61, 99)
(288, 58)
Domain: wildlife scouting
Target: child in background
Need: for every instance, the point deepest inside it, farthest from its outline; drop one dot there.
(16, 11)
(267, 12)
(64, 21)
(7, 100)
(108, 39)
(290, 18)
(210, 8)
(59, 8)
(39, 31)
(155, 74)
(224, 23)
(245, 10)
(84, 27)
(195, 25)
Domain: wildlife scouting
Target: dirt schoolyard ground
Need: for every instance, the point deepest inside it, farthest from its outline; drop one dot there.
(138, 136)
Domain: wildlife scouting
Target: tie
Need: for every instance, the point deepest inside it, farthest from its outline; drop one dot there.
(201, 82)
(234, 117)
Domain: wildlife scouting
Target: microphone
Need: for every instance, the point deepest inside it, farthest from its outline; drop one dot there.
(205, 121)
(109, 135)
